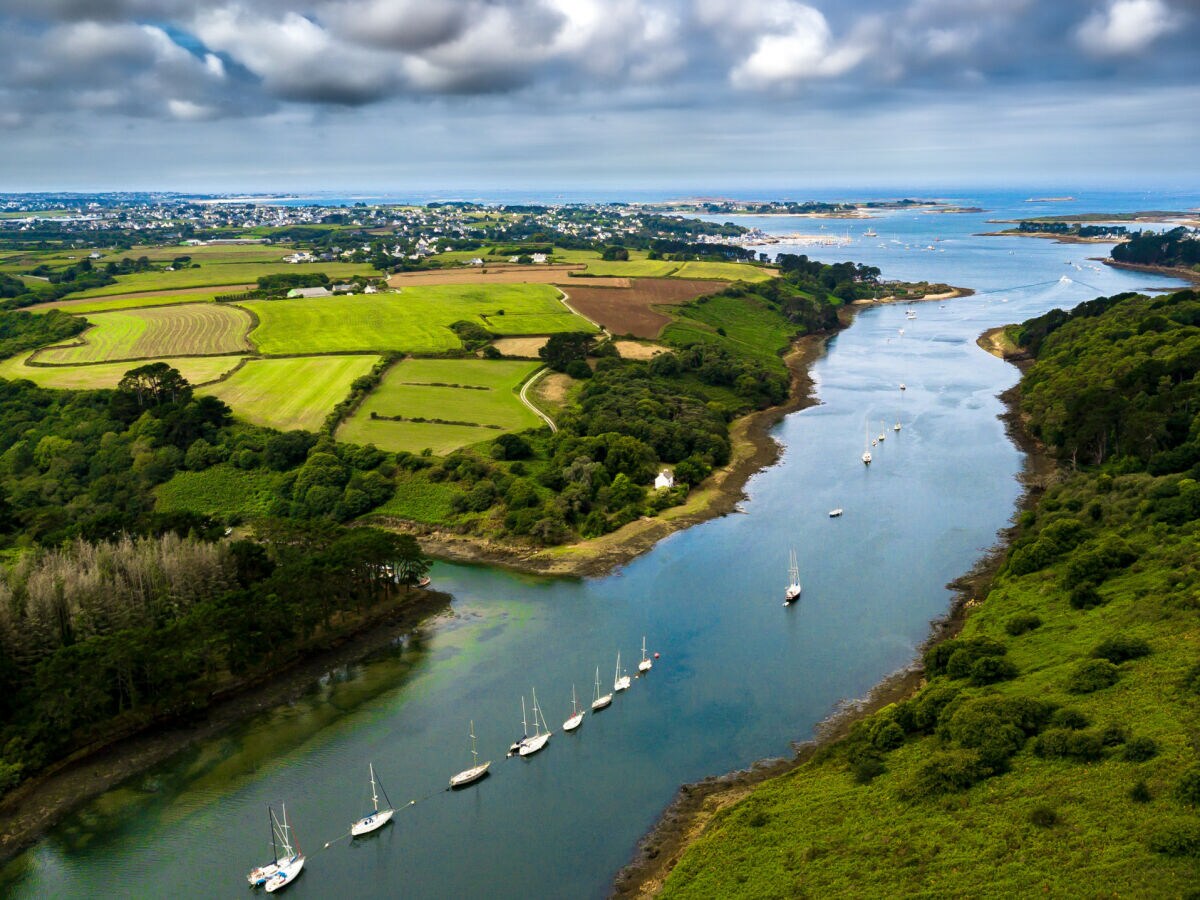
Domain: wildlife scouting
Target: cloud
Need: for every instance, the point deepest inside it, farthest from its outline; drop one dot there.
(1125, 27)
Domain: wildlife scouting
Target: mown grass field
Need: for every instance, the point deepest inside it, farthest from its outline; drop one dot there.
(132, 301)
(634, 268)
(219, 274)
(185, 330)
(420, 388)
(207, 254)
(416, 320)
(222, 491)
(722, 271)
(196, 369)
(1115, 822)
(290, 393)
(747, 323)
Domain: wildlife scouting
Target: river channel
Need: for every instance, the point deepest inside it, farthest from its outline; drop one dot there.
(739, 676)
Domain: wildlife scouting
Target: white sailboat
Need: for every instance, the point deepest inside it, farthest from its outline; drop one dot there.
(866, 457)
(834, 513)
(882, 431)
(792, 593)
(599, 702)
(576, 714)
(621, 681)
(647, 663)
(477, 770)
(258, 876)
(290, 864)
(532, 743)
(896, 427)
(377, 818)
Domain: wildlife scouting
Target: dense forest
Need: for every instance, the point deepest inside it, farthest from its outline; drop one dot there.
(1053, 748)
(1177, 247)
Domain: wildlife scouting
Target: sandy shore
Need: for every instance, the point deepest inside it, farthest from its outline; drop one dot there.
(946, 295)
(695, 806)
(1054, 236)
(36, 806)
(997, 342)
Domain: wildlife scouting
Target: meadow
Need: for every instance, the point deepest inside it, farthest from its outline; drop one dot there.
(196, 369)
(290, 393)
(723, 271)
(134, 301)
(205, 254)
(184, 330)
(746, 322)
(222, 491)
(419, 500)
(416, 320)
(220, 274)
(480, 392)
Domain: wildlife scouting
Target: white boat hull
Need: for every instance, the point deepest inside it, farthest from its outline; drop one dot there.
(532, 745)
(622, 683)
(645, 665)
(601, 702)
(287, 873)
(574, 722)
(792, 594)
(469, 776)
(834, 513)
(262, 874)
(370, 823)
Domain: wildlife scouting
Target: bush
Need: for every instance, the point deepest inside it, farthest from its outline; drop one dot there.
(1069, 718)
(867, 769)
(1020, 624)
(992, 726)
(1187, 789)
(1177, 840)
(888, 737)
(956, 656)
(1043, 817)
(1191, 681)
(1092, 675)
(1140, 793)
(1113, 735)
(1140, 749)
(1061, 743)
(1085, 596)
(992, 669)
(944, 772)
(1119, 648)
(929, 705)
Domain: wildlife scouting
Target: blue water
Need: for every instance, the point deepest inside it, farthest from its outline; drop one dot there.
(740, 677)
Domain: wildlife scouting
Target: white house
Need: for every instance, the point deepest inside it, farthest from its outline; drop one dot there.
(665, 480)
(540, 259)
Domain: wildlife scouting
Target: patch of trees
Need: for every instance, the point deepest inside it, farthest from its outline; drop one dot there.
(682, 251)
(1177, 247)
(278, 285)
(24, 331)
(1073, 229)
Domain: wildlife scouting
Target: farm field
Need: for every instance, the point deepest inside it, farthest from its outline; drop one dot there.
(755, 329)
(416, 320)
(486, 275)
(182, 330)
(219, 274)
(481, 392)
(206, 254)
(634, 268)
(196, 369)
(221, 491)
(526, 348)
(138, 301)
(633, 310)
(290, 393)
(725, 271)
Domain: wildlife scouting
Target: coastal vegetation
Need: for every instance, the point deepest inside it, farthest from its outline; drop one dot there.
(1179, 247)
(1052, 748)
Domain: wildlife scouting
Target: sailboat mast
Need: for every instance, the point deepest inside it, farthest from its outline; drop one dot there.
(524, 724)
(274, 846)
(374, 790)
(474, 753)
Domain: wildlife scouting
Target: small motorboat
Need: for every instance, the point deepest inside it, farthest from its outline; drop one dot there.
(834, 513)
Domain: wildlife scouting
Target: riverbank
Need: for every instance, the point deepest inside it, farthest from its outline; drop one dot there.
(952, 294)
(1000, 344)
(696, 805)
(1172, 271)
(39, 804)
(1054, 236)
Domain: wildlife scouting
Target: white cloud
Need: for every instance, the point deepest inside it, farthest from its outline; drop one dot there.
(188, 111)
(1126, 27)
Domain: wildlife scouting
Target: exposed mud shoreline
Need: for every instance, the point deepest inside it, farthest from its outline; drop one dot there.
(694, 807)
(36, 806)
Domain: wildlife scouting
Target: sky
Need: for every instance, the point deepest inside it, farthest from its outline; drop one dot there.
(699, 96)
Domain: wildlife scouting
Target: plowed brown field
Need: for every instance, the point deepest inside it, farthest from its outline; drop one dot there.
(633, 310)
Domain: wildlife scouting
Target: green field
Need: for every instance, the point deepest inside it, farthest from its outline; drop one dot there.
(205, 255)
(415, 320)
(419, 388)
(420, 500)
(634, 268)
(184, 330)
(220, 274)
(754, 329)
(722, 271)
(290, 393)
(196, 369)
(140, 301)
(221, 491)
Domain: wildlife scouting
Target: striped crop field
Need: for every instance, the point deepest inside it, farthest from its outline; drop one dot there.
(474, 400)
(290, 393)
(220, 274)
(86, 305)
(415, 320)
(196, 369)
(182, 330)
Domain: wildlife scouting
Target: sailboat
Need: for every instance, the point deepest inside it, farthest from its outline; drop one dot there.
(377, 818)
(287, 866)
(576, 714)
(600, 702)
(793, 589)
(258, 876)
(647, 663)
(621, 681)
(882, 431)
(532, 743)
(896, 427)
(477, 770)
(866, 457)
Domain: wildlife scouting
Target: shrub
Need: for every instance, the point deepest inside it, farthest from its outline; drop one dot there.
(1113, 735)
(989, 725)
(1191, 681)
(1119, 648)
(888, 737)
(1187, 789)
(929, 704)
(1177, 840)
(991, 669)
(1085, 596)
(1092, 675)
(1020, 624)
(956, 656)
(1140, 793)
(1140, 749)
(1069, 718)
(1043, 817)
(944, 772)
(1061, 743)
(867, 769)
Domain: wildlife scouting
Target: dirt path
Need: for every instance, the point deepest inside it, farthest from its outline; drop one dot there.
(538, 375)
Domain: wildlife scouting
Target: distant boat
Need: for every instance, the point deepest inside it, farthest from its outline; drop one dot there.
(896, 427)
(902, 386)
(532, 743)
(377, 818)
(866, 457)
(870, 232)
(287, 864)
(576, 714)
(882, 431)
(477, 770)
(902, 332)
(647, 663)
(600, 702)
(792, 593)
(834, 513)
(910, 314)
(621, 681)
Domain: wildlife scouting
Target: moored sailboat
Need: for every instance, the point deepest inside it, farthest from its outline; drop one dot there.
(477, 770)
(532, 743)
(598, 701)
(866, 457)
(378, 817)
(576, 714)
(291, 863)
(647, 663)
(621, 681)
(792, 593)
